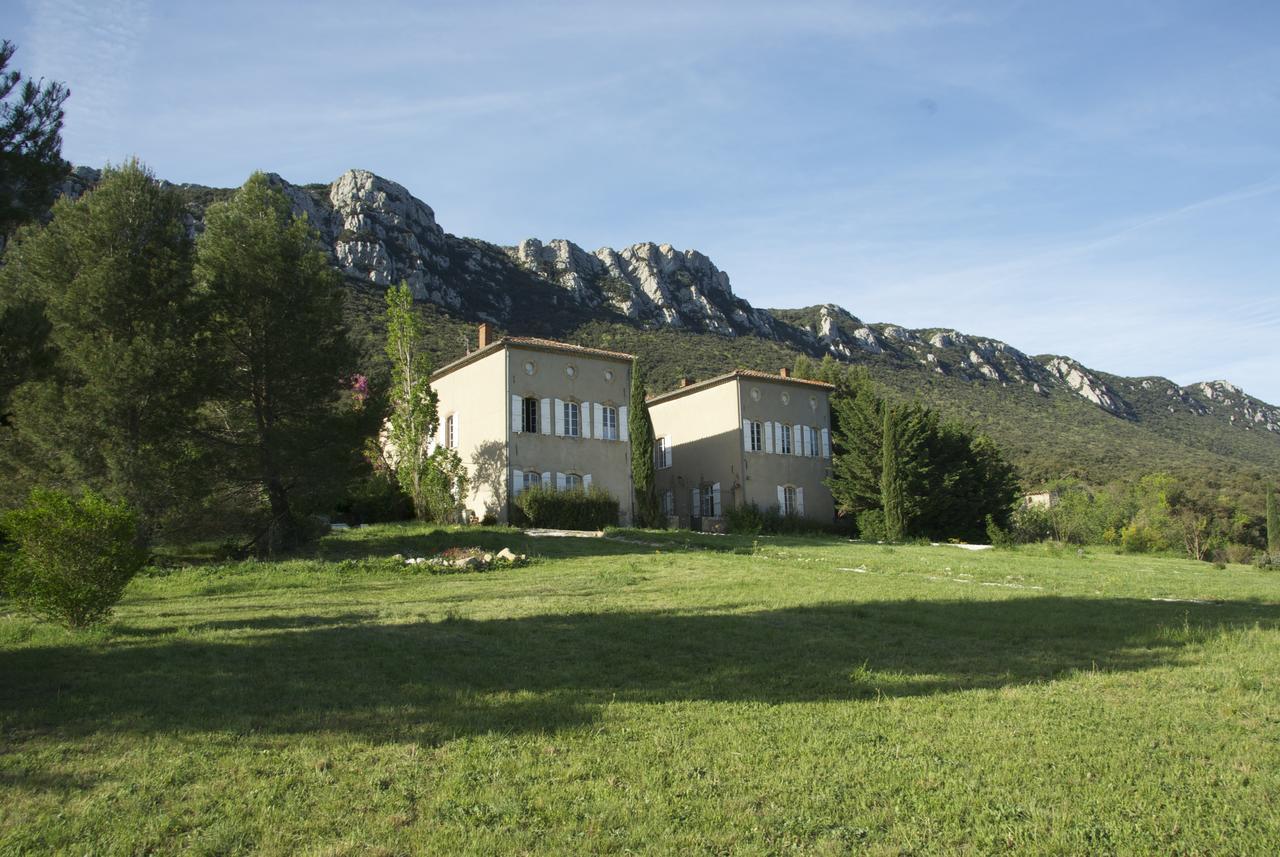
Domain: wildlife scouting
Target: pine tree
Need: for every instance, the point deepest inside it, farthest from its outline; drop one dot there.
(1273, 524)
(640, 429)
(282, 360)
(111, 277)
(31, 164)
(413, 419)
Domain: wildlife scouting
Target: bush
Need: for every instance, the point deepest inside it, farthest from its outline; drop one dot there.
(999, 536)
(871, 525)
(69, 560)
(592, 509)
(746, 519)
(374, 499)
(1031, 524)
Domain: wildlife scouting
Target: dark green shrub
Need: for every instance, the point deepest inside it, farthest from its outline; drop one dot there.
(999, 536)
(374, 499)
(68, 559)
(871, 525)
(746, 519)
(592, 509)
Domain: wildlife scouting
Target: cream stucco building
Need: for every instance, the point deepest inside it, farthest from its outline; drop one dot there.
(522, 411)
(740, 438)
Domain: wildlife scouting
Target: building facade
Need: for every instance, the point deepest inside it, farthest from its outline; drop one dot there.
(522, 412)
(742, 438)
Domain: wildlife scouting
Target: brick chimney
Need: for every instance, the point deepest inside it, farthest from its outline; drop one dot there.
(784, 372)
(485, 335)
(684, 382)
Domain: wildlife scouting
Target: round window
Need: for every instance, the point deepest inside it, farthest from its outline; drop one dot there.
(755, 394)
(813, 403)
(570, 371)
(529, 368)
(786, 398)
(608, 374)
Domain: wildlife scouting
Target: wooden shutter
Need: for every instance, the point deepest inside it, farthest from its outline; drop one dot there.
(666, 453)
(584, 419)
(546, 480)
(599, 415)
(457, 431)
(559, 417)
(768, 436)
(695, 498)
(826, 443)
(560, 482)
(746, 435)
(517, 482)
(586, 482)
(799, 501)
(545, 422)
(797, 440)
(715, 500)
(517, 414)
(622, 423)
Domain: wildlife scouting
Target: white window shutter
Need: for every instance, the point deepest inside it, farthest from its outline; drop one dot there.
(559, 481)
(768, 436)
(559, 407)
(517, 414)
(545, 422)
(715, 500)
(799, 501)
(746, 435)
(517, 482)
(546, 480)
(599, 420)
(584, 419)
(826, 443)
(782, 499)
(622, 423)
(777, 439)
(586, 482)
(796, 440)
(666, 453)
(695, 498)
(457, 431)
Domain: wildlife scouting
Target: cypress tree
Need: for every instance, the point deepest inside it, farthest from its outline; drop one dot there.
(1273, 524)
(893, 492)
(640, 430)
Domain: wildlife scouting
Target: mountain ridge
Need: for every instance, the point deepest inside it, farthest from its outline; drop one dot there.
(378, 233)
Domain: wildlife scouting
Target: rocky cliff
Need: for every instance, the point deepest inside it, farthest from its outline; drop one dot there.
(378, 233)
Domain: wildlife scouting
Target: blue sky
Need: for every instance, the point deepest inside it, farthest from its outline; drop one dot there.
(1094, 179)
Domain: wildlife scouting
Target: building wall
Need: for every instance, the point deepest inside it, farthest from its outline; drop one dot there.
(706, 448)
(595, 380)
(706, 431)
(763, 401)
(475, 396)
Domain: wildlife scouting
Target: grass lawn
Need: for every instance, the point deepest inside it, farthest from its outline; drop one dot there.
(656, 693)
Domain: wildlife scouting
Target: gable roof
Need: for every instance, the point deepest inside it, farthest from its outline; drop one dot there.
(733, 376)
(531, 342)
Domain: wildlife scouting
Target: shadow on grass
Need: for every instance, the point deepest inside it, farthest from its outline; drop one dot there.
(431, 681)
(384, 542)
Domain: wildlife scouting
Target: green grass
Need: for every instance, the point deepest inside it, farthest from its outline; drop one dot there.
(657, 693)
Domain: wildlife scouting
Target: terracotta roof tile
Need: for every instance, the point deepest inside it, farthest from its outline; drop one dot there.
(739, 373)
(529, 342)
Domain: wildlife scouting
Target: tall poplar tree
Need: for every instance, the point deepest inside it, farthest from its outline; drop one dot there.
(413, 419)
(110, 276)
(640, 431)
(281, 363)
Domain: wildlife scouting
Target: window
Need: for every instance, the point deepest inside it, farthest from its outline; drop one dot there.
(757, 437)
(669, 503)
(789, 500)
(662, 453)
(532, 479)
(708, 502)
(531, 415)
(786, 440)
(812, 446)
(572, 482)
(572, 419)
(450, 432)
(610, 423)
